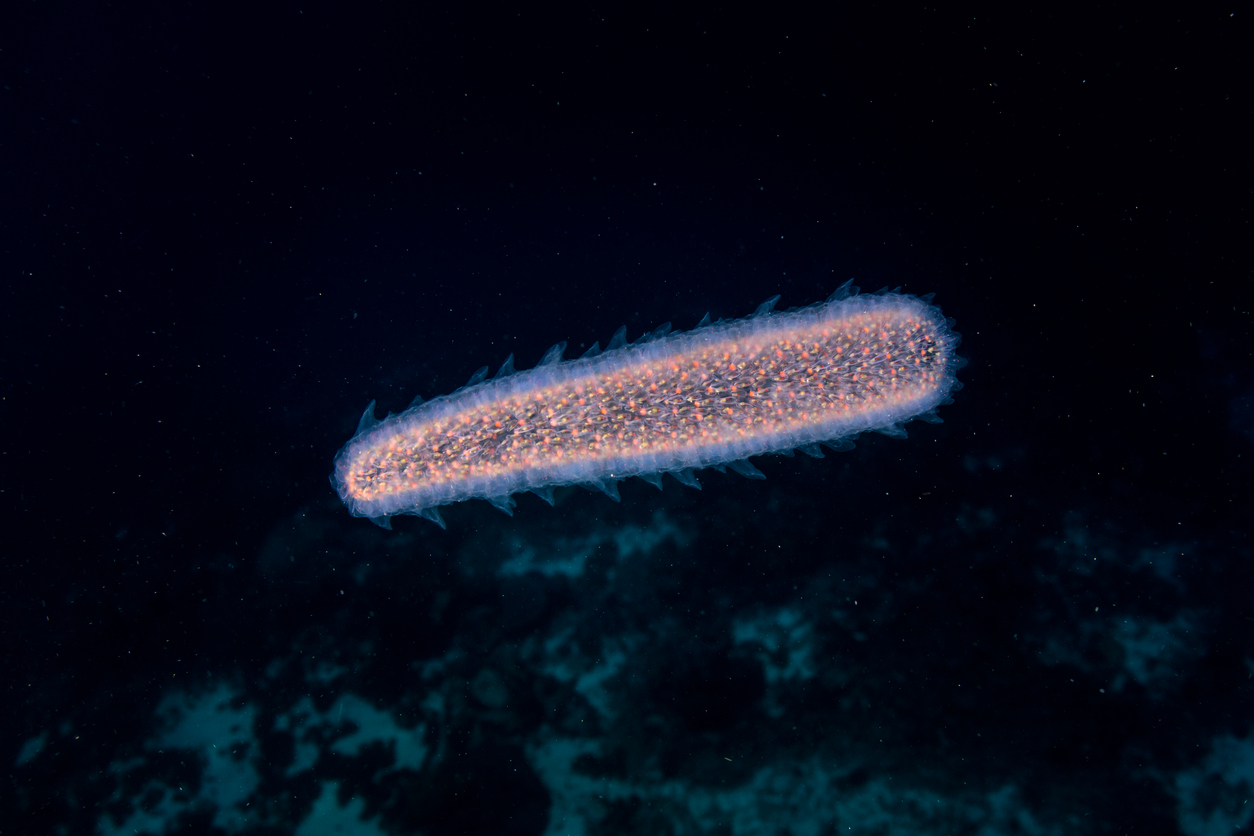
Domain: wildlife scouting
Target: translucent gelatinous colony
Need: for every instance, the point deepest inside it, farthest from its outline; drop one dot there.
(668, 403)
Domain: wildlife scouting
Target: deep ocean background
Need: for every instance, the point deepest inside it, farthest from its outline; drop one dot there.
(225, 229)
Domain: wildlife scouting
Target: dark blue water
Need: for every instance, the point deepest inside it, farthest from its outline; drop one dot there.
(225, 230)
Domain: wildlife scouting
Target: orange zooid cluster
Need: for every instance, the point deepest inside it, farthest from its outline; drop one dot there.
(690, 392)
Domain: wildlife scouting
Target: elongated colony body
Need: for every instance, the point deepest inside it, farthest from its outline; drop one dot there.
(710, 397)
